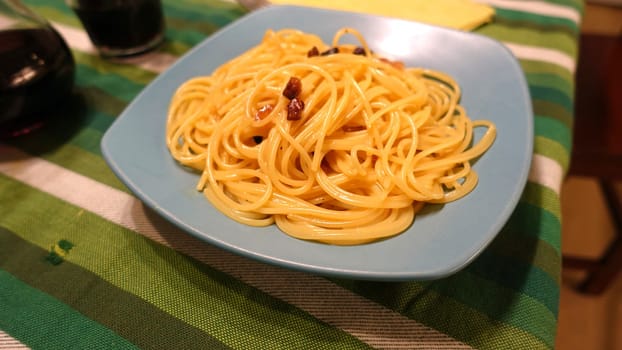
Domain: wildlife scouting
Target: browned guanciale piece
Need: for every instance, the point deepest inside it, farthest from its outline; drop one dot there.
(313, 52)
(294, 109)
(263, 112)
(293, 88)
(359, 51)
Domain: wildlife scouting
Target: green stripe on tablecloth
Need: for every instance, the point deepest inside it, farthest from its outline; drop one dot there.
(129, 80)
(174, 48)
(87, 139)
(551, 81)
(60, 14)
(552, 149)
(555, 83)
(231, 311)
(216, 12)
(95, 119)
(575, 4)
(217, 16)
(220, 5)
(184, 17)
(180, 25)
(518, 275)
(186, 24)
(521, 225)
(554, 130)
(123, 313)
(525, 36)
(542, 197)
(46, 5)
(115, 85)
(422, 302)
(541, 67)
(488, 299)
(133, 74)
(529, 249)
(100, 101)
(42, 322)
(552, 96)
(505, 270)
(514, 18)
(186, 36)
(552, 110)
(518, 240)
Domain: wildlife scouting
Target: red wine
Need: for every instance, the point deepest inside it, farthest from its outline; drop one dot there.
(127, 25)
(36, 74)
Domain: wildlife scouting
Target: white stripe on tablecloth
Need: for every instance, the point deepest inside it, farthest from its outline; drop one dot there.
(535, 53)
(9, 343)
(547, 172)
(370, 322)
(537, 7)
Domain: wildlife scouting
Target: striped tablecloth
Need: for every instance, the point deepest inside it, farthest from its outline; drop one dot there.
(83, 264)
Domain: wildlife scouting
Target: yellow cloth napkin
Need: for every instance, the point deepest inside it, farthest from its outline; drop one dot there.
(459, 14)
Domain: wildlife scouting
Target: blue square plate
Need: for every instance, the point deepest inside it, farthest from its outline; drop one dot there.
(438, 243)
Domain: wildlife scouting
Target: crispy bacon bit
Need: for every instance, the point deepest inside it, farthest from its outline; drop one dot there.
(258, 139)
(293, 88)
(359, 51)
(395, 64)
(352, 128)
(313, 52)
(294, 109)
(332, 50)
(263, 112)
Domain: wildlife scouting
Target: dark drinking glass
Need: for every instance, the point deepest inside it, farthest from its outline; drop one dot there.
(121, 27)
(36, 70)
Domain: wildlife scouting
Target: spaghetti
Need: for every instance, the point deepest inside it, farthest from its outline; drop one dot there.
(332, 143)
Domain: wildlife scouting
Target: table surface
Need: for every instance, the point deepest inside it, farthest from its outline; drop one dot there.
(84, 264)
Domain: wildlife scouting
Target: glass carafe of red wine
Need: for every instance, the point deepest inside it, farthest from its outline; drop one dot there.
(36, 70)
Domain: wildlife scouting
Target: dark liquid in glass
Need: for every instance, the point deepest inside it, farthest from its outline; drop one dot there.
(127, 25)
(36, 74)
